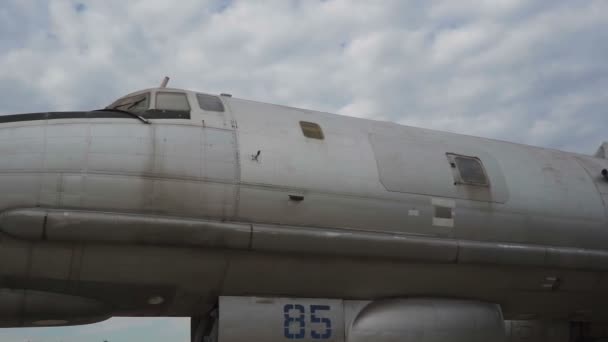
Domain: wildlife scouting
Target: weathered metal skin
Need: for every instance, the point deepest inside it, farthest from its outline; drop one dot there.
(151, 230)
(187, 209)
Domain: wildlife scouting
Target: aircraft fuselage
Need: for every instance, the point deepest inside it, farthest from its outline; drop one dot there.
(118, 217)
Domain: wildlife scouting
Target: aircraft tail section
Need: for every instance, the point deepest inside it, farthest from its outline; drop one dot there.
(602, 151)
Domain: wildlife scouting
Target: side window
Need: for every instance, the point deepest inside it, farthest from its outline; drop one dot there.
(166, 101)
(468, 170)
(210, 103)
(311, 130)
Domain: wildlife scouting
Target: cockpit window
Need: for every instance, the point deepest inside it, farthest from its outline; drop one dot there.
(172, 102)
(135, 104)
(210, 103)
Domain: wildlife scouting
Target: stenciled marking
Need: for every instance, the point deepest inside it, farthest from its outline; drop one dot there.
(294, 324)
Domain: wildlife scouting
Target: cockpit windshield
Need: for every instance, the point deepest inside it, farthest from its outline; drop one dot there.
(134, 104)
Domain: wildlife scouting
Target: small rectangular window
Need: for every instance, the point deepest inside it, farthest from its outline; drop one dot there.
(468, 170)
(311, 130)
(210, 103)
(172, 102)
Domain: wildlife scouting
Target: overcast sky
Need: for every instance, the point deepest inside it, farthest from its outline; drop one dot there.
(533, 72)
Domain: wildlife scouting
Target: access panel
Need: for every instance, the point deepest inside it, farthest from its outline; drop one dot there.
(429, 166)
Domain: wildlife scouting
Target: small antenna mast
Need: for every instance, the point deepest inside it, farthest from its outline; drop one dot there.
(164, 82)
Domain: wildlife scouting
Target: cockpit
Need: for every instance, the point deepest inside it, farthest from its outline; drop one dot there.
(166, 103)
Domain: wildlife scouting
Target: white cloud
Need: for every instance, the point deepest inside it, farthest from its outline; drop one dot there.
(476, 8)
(492, 68)
(410, 61)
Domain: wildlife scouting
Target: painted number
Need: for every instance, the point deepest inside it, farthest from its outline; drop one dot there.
(294, 313)
(326, 333)
(295, 323)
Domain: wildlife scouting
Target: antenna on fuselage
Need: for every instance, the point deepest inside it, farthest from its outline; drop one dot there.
(164, 82)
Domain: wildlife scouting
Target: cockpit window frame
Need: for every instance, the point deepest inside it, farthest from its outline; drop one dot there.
(185, 95)
(132, 100)
(210, 103)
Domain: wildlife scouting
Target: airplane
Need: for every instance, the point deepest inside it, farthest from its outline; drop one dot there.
(264, 222)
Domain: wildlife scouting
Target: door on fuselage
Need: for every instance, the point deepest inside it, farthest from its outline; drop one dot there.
(203, 148)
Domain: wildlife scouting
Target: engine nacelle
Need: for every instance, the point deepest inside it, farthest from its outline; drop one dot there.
(427, 320)
(29, 308)
(245, 319)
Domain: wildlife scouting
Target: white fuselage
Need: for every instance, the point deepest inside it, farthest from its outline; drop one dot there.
(250, 205)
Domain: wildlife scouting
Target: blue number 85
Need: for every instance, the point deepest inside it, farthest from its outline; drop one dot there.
(298, 317)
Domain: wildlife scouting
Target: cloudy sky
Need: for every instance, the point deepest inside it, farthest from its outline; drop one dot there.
(534, 72)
